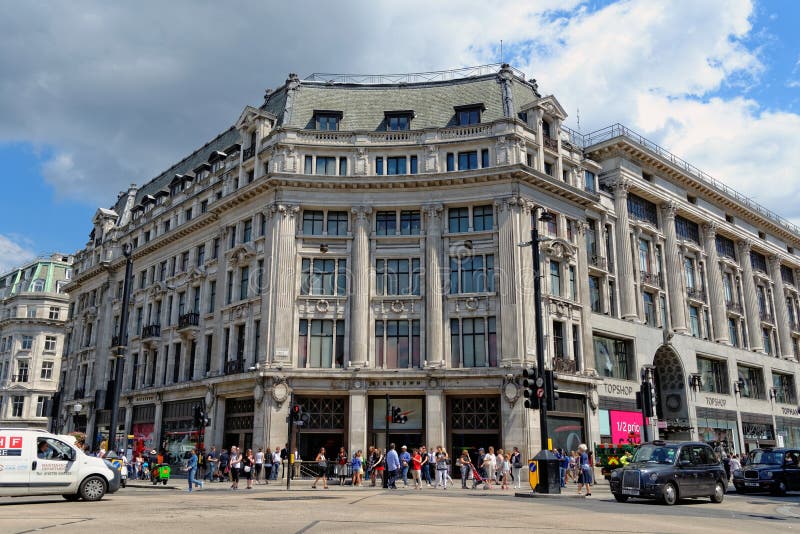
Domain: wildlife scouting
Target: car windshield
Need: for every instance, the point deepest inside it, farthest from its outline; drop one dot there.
(765, 457)
(656, 454)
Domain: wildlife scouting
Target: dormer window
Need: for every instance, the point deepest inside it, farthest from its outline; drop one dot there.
(327, 120)
(546, 129)
(470, 114)
(398, 120)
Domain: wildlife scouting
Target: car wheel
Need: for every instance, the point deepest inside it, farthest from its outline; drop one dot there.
(93, 489)
(719, 493)
(71, 496)
(670, 494)
(621, 498)
(780, 489)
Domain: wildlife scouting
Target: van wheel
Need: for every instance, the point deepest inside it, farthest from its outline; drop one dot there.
(93, 489)
(719, 493)
(71, 496)
(670, 495)
(621, 498)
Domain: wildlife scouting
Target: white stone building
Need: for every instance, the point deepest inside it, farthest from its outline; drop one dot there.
(33, 311)
(354, 237)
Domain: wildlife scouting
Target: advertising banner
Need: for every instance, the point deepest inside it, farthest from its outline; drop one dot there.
(626, 427)
(407, 410)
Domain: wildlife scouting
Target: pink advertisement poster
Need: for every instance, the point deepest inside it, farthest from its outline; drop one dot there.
(625, 425)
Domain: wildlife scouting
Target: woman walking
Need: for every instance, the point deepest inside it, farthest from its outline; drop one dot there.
(465, 463)
(441, 469)
(248, 464)
(341, 465)
(259, 465)
(236, 465)
(267, 465)
(585, 476)
(322, 468)
(377, 465)
(416, 468)
(516, 467)
(357, 463)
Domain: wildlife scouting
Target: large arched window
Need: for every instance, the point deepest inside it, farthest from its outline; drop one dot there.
(38, 285)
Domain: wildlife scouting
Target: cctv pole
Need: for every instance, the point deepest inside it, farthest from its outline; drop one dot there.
(537, 298)
(121, 349)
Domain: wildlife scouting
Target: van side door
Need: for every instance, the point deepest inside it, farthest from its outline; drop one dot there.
(53, 467)
(15, 472)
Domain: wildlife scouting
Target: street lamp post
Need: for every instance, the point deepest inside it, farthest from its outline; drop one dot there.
(121, 349)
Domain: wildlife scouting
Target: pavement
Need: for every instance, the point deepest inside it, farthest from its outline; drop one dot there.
(142, 507)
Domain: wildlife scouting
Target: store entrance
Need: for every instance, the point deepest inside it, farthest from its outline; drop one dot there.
(309, 443)
(471, 442)
(243, 440)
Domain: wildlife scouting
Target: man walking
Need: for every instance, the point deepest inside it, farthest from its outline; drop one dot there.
(405, 463)
(212, 464)
(392, 465)
(426, 472)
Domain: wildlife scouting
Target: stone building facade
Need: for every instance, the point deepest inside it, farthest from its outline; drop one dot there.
(356, 238)
(33, 313)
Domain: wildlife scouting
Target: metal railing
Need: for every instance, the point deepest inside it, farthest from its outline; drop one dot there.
(21, 377)
(619, 130)
(414, 77)
(767, 317)
(653, 279)
(598, 261)
(189, 319)
(734, 307)
(550, 143)
(696, 293)
(233, 367)
(564, 365)
(151, 330)
(248, 153)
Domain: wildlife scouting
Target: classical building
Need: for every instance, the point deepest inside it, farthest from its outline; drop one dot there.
(33, 312)
(354, 237)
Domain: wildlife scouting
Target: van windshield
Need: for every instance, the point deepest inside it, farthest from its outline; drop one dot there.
(656, 454)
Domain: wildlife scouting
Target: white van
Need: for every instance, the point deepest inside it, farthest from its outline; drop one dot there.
(35, 462)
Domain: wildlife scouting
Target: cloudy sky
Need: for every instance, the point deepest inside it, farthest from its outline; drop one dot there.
(97, 95)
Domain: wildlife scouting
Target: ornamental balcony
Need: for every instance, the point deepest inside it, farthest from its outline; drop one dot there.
(233, 367)
(653, 279)
(563, 365)
(248, 153)
(599, 262)
(734, 307)
(188, 320)
(20, 377)
(550, 143)
(696, 293)
(151, 330)
(767, 317)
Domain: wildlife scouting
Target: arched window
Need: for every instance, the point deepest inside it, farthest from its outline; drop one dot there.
(38, 285)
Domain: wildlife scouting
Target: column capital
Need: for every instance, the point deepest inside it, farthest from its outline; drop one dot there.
(433, 210)
(710, 230)
(775, 262)
(508, 203)
(361, 212)
(287, 210)
(745, 245)
(669, 209)
(621, 186)
(581, 226)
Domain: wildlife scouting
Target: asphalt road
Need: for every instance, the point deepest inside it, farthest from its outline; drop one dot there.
(216, 509)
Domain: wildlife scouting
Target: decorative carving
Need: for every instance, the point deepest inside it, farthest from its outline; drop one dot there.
(397, 306)
(433, 210)
(210, 397)
(581, 227)
(287, 210)
(471, 304)
(669, 209)
(258, 393)
(362, 162)
(240, 255)
(558, 249)
(710, 230)
(432, 159)
(621, 186)
(511, 390)
(322, 306)
(744, 247)
(362, 214)
(280, 390)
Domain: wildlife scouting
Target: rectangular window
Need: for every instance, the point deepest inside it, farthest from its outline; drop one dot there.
(751, 382)
(767, 336)
(247, 233)
(642, 209)
(55, 313)
(22, 370)
(203, 206)
(409, 222)
(47, 370)
(688, 269)
(379, 166)
(323, 276)
(614, 358)
(470, 115)
(27, 342)
(485, 158)
(589, 181)
(713, 374)
(49, 343)
(184, 261)
(308, 167)
(649, 309)
(41, 403)
(398, 122)
(573, 284)
(414, 165)
(17, 405)
(472, 274)
(342, 166)
(644, 255)
(313, 222)
(215, 248)
(397, 344)
(594, 294)
(784, 388)
(558, 340)
(326, 165)
(686, 229)
(386, 223)
(200, 254)
(337, 223)
(229, 289)
(733, 332)
(321, 343)
(260, 274)
(396, 165)
(725, 247)
(187, 216)
(244, 282)
(758, 261)
(467, 160)
(482, 218)
(694, 320)
(209, 346)
(458, 220)
(328, 122)
(397, 276)
(474, 342)
(451, 162)
(555, 278)
(212, 295)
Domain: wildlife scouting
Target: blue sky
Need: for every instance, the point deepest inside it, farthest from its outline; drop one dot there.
(106, 95)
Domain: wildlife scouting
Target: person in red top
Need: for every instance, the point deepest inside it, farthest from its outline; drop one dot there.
(416, 468)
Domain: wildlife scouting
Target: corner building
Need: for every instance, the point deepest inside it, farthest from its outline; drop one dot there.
(355, 237)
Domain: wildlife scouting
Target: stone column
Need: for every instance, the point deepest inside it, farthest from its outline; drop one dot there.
(359, 294)
(508, 273)
(677, 298)
(750, 300)
(526, 285)
(357, 420)
(781, 312)
(266, 289)
(285, 250)
(435, 413)
(585, 359)
(625, 272)
(716, 293)
(434, 318)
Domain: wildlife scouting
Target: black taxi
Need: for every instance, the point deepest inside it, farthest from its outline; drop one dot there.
(774, 470)
(669, 471)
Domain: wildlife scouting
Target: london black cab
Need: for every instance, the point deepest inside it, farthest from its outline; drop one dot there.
(773, 470)
(669, 471)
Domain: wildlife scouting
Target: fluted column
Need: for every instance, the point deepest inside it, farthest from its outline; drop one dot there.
(781, 313)
(752, 315)
(716, 294)
(526, 286)
(285, 248)
(434, 320)
(359, 296)
(677, 298)
(508, 270)
(625, 272)
(585, 359)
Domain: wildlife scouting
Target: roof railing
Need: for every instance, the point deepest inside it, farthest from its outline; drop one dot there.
(414, 77)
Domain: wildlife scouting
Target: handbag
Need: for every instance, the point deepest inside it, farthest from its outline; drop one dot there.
(247, 469)
(323, 464)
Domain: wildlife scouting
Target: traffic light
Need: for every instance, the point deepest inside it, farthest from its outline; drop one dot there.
(551, 390)
(297, 412)
(197, 416)
(397, 416)
(534, 388)
(647, 399)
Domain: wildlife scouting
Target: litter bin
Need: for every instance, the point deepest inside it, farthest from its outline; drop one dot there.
(549, 473)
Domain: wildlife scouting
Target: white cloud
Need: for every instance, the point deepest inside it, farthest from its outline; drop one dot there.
(14, 251)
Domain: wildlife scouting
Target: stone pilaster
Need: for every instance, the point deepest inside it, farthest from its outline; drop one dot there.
(285, 253)
(716, 294)
(266, 289)
(434, 318)
(781, 312)
(507, 284)
(752, 315)
(625, 272)
(359, 296)
(677, 298)
(585, 359)
(526, 285)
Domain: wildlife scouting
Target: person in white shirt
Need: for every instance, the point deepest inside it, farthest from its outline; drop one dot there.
(276, 463)
(490, 466)
(259, 464)
(735, 462)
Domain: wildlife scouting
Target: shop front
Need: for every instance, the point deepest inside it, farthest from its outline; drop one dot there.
(788, 428)
(566, 425)
(327, 426)
(103, 422)
(239, 415)
(620, 427)
(178, 433)
(472, 423)
(718, 428)
(143, 428)
(757, 431)
(406, 417)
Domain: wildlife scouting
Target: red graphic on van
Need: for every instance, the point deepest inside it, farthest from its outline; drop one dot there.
(10, 442)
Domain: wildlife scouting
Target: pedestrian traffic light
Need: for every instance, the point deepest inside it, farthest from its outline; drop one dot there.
(647, 393)
(551, 390)
(297, 412)
(397, 416)
(534, 388)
